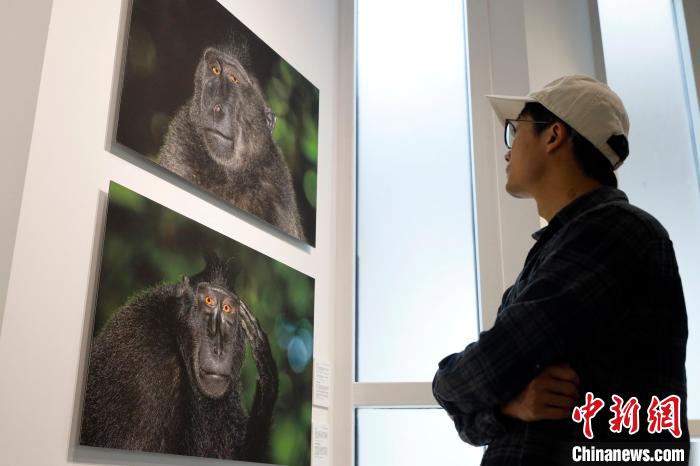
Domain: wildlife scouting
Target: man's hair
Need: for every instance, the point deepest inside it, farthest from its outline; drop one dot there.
(593, 163)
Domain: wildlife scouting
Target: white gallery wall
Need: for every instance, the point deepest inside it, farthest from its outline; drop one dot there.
(56, 253)
(23, 28)
(562, 38)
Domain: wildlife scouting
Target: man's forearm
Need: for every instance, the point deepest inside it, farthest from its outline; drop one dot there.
(476, 424)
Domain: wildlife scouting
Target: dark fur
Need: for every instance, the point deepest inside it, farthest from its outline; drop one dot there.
(254, 177)
(140, 391)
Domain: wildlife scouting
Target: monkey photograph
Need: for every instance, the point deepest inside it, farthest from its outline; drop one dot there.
(201, 346)
(205, 98)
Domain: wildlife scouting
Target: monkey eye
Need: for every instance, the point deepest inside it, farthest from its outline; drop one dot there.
(209, 301)
(227, 308)
(216, 70)
(232, 77)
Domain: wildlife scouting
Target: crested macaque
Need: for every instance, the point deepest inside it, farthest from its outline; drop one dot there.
(164, 373)
(221, 140)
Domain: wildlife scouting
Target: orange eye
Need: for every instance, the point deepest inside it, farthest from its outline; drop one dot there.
(232, 77)
(209, 300)
(216, 70)
(227, 308)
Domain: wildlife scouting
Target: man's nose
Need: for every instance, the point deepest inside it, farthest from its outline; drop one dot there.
(507, 156)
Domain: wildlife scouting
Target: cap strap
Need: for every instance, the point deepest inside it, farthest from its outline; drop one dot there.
(618, 143)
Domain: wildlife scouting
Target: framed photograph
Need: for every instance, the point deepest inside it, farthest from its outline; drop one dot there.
(205, 98)
(201, 346)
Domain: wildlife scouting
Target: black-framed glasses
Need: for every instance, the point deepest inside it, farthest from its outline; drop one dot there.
(510, 129)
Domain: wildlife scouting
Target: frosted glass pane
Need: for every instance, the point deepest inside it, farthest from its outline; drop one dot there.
(416, 283)
(411, 437)
(642, 61)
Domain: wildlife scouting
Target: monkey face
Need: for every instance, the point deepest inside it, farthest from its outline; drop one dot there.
(218, 339)
(230, 107)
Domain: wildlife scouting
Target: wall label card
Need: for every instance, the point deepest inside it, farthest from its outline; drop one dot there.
(322, 383)
(320, 447)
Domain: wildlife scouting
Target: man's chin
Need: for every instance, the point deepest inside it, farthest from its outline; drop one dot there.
(517, 192)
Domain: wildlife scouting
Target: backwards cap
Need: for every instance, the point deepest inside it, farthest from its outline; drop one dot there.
(590, 107)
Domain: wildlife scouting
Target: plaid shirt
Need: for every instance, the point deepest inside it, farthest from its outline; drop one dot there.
(600, 290)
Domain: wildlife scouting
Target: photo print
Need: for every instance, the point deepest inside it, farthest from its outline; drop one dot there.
(201, 346)
(206, 99)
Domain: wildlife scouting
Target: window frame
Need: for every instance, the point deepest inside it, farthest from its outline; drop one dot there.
(687, 17)
(489, 38)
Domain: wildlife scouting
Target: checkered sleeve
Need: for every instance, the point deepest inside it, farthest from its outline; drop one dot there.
(475, 425)
(572, 290)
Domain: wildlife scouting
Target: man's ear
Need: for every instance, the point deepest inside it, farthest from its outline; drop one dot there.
(557, 135)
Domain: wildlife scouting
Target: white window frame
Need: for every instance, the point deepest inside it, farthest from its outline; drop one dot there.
(687, 13)
(503, 238)
(494, 33)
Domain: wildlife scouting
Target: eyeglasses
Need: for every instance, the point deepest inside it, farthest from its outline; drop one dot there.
(509, 134)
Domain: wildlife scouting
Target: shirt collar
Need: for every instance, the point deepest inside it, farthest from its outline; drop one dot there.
(581, 204)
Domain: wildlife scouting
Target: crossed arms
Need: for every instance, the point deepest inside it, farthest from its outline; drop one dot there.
(518, 367)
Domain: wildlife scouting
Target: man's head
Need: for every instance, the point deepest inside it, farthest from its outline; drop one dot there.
(574, 126)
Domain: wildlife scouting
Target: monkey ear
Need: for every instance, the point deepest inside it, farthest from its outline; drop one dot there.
(271, 119)
(184, 286)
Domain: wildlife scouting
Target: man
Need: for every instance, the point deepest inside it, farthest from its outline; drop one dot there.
(598, 306)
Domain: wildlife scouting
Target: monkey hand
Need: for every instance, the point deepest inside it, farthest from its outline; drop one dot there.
(551, 395)
(183, 296)
(259, 343)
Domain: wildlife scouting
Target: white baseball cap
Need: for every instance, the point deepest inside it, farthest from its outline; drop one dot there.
(590, 107)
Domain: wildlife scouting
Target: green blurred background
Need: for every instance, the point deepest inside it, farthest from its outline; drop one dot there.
(166, 39)
(146, 243)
